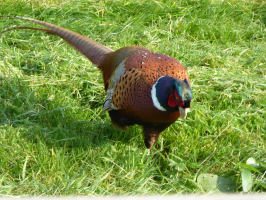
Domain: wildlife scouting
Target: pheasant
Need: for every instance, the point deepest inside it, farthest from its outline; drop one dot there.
(142, 87)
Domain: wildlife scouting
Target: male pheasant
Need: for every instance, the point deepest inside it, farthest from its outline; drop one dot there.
(143, 87)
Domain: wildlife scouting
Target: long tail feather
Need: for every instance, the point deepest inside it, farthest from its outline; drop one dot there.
(31, 28)
(93, 50)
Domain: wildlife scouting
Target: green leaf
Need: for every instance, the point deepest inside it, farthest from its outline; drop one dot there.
(246, 179)
(179, 166)
(214, 183)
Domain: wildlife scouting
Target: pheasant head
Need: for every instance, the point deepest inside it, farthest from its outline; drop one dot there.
(172, 94)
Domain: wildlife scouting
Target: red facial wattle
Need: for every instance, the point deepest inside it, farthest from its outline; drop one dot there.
(175, 100)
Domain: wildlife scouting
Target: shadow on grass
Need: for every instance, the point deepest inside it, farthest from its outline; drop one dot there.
(50, 126)
(64, 137)
(40, 118)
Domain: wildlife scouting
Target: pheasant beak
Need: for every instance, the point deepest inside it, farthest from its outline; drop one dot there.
(183, 112)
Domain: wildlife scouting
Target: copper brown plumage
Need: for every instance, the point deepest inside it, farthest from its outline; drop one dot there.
(143, 87)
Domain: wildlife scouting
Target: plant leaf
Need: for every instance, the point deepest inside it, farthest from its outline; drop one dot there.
(214, 183)
(246, 179)
(180, 167)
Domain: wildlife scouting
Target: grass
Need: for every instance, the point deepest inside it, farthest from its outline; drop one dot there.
(54, 140)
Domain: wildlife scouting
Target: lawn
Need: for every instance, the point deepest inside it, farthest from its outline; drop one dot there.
(54, 139)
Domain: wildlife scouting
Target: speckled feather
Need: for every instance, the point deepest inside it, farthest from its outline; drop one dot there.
(133, 90)
(132, 94)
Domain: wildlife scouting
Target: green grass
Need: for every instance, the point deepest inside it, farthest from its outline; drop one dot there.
(54, 140)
